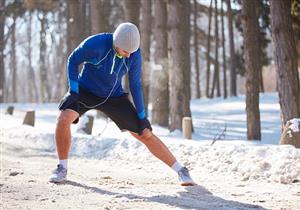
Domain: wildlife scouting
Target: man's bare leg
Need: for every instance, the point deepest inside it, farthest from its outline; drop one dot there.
(156, 147)
(63, 132)
(159, 150)
(63, 143)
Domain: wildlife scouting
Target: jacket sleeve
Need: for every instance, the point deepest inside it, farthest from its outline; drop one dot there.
(135, 84)
(84, 52)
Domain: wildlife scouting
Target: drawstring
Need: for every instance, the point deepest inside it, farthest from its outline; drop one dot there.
(113, 64)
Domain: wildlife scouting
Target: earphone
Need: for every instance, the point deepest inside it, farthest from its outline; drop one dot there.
(115, 83)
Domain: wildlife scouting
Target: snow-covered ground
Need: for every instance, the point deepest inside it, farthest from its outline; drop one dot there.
(233, 173)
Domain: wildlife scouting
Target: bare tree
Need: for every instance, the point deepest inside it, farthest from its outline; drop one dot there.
(196, 49)
(285, 56)
(253, 67)
(61, 52)
(208, 50)
(86, 18)
(132, 11)
(100, 14)
(33, 90)
(73, 25)
(179, 62)
(45, 88)
(216, 79)
(233, 88)
(159, 77)
(145, 46)
(2, 25)
(14, 59)
(223, 52)
(132, 14)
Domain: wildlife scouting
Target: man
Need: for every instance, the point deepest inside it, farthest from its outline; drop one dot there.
(106, 59)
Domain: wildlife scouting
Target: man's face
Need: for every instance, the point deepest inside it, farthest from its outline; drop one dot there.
(123, 53)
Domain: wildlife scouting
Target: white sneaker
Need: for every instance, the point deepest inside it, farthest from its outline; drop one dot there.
(185, 178)
(59, 174)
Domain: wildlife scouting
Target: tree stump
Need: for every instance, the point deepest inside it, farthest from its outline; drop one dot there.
(291, 133)
(86, 124)
(10, 110)
(29, 118)
(187, 127)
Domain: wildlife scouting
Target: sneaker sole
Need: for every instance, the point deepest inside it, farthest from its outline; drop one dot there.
(187, 184)
(55, 181)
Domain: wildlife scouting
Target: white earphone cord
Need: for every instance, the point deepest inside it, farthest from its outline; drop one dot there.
(112, 89)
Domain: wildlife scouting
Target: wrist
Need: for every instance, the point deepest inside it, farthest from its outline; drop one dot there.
(142, 115)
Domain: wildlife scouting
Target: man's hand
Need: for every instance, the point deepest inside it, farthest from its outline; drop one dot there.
(70, 98)
(144, 123)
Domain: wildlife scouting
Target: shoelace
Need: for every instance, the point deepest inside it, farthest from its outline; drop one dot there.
(184, 172)
(59, 169)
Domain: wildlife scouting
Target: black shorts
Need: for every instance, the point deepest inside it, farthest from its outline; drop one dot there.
(119, 109)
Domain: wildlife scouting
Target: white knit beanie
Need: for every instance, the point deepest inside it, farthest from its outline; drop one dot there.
(127, 37)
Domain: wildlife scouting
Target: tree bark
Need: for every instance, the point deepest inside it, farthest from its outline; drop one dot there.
(233, 88)
(196, 50)
(73, 25)
(208, 51)
(159, 77)
(223, 53)
(132, 11)
(14, 60)
(100, 14)
(33, 93)
(132, 14)
(285, 56)
(216, 79)
(2, 74)
(45, 89)
(145, 46)
(179, 62)
(253, 67)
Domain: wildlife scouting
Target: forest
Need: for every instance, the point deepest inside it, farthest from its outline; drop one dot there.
(191, 49)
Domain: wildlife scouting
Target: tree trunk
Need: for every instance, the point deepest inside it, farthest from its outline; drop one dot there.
(159, 82)
(285, 56)
(145, 46)
(100, 13)
(196, 50)
(132, 11)
(132, 14)
(253, 67)
(73, 25)
(179, 62)
(14, 60)
(223, 53)
(95, 16)
(85, 18)
(233, 88)
(259, 9)
(45, 89)
(216, 79)
(60, 61)
(33, 92)
(208, 50)
(2, 25)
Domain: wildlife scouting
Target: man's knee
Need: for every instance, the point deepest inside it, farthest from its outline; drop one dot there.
(147, 135)
(66, 118)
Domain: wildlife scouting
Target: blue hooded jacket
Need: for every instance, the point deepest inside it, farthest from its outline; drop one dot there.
(103, 70)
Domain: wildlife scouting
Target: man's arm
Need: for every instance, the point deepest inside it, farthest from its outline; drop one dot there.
(84, 52)
(135, 84)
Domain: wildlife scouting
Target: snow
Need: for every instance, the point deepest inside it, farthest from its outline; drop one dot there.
(232, 156)
(295, 125)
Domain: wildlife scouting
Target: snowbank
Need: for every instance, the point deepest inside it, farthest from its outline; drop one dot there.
(242, 160)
